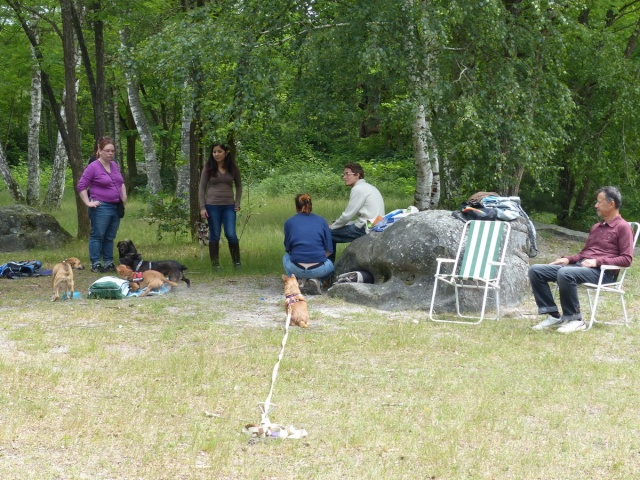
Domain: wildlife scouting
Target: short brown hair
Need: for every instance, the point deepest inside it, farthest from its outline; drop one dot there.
(355, 168)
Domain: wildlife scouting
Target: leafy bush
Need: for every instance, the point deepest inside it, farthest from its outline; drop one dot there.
(170, 215)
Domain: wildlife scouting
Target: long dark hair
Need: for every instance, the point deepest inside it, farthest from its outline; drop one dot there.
(229, 161)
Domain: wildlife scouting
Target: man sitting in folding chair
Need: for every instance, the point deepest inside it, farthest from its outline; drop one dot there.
(610, 242)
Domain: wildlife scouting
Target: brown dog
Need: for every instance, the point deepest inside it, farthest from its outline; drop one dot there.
(295, 301)
(151, 280)
(63, 277)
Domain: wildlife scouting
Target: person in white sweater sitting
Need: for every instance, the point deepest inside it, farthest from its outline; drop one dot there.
(365, 202)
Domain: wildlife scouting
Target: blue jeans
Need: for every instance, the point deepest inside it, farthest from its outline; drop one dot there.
(104, 228)
(567, 277)
(222, 216)
(323, 272)
(345, 234)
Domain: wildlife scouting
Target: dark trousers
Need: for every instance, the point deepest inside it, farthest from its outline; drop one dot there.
(345, 234)
(567, 277)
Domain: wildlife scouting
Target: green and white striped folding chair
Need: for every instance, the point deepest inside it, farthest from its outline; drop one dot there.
(478, 265)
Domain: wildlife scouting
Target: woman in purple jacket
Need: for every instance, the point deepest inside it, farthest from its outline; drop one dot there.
(104, 179)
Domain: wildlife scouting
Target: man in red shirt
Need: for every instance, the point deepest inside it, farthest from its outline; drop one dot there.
(610, 242)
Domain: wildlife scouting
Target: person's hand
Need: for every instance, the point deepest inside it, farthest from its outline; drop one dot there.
(93, 204)
(203, 213)
(236, 209)
(560, 261)
(589, 262)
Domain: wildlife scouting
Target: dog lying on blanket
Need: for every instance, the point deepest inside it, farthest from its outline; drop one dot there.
(62, 275)
(295, 301)
(171, 269)
(151, 280)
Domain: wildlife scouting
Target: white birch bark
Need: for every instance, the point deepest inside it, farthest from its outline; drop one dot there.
(182, 186)
(426, 158)
(55, 190)
(154, 182)
(427, 193)
(33, 146)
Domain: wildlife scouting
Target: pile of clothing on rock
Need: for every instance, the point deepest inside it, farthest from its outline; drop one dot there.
(492, 206)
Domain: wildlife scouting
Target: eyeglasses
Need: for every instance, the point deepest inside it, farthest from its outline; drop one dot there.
(347, 174)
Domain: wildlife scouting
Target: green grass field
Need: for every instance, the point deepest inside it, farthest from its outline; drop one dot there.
(161, 387)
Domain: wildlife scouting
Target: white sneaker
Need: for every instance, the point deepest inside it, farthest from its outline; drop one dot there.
(573, 326)
(549, 322)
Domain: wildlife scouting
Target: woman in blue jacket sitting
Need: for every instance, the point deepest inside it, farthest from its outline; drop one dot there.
(307, 241)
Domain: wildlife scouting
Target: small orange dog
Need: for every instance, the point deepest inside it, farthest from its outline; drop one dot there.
(62, 275)
(151, 279)
(295, 301)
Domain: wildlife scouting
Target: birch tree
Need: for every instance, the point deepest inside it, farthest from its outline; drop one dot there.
(182, 186)
(142, 123)
(33, 153)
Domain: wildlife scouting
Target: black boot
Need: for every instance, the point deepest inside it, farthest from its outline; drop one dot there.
(234, 249)
(214, 255)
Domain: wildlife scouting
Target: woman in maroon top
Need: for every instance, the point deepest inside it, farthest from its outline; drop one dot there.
(104, 179)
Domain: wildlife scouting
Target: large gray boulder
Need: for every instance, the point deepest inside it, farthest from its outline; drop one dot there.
(402, 259)
(23, 228)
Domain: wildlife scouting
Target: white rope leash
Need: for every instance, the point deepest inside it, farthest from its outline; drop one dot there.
(265, 407)
(266, 428)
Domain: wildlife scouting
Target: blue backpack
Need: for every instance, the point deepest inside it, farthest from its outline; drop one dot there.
(27, 268)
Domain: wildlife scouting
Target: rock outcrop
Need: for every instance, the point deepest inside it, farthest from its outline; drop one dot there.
(24, 228)
(402, 259)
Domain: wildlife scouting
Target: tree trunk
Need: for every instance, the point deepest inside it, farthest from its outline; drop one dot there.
(12, 185)
(70, 106)
(194, 176)
(69, 131)
(95, 83)
(33, 149)
(154, 181)
(100, 95)
(132, 167)
(427, 194)
(182, 185)
(422, 48)
(115, 128)
(55, 190)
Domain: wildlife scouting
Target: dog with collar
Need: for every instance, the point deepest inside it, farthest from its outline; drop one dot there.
(171, 269)
(151, 280)
(294, 301)
(62, 275)
(203, 236)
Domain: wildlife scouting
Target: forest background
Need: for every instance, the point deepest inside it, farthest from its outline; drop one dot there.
(438, 99)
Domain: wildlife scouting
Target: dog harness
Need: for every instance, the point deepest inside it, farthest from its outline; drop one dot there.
(291, 298)
(136, 277)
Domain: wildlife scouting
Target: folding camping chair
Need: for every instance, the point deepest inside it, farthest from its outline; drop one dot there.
(478, 265)
(614, 287)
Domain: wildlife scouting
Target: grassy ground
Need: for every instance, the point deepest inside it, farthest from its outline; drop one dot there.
(160, 388)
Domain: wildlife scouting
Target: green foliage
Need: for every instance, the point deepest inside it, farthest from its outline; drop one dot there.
(170, 215)
(536, 98)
